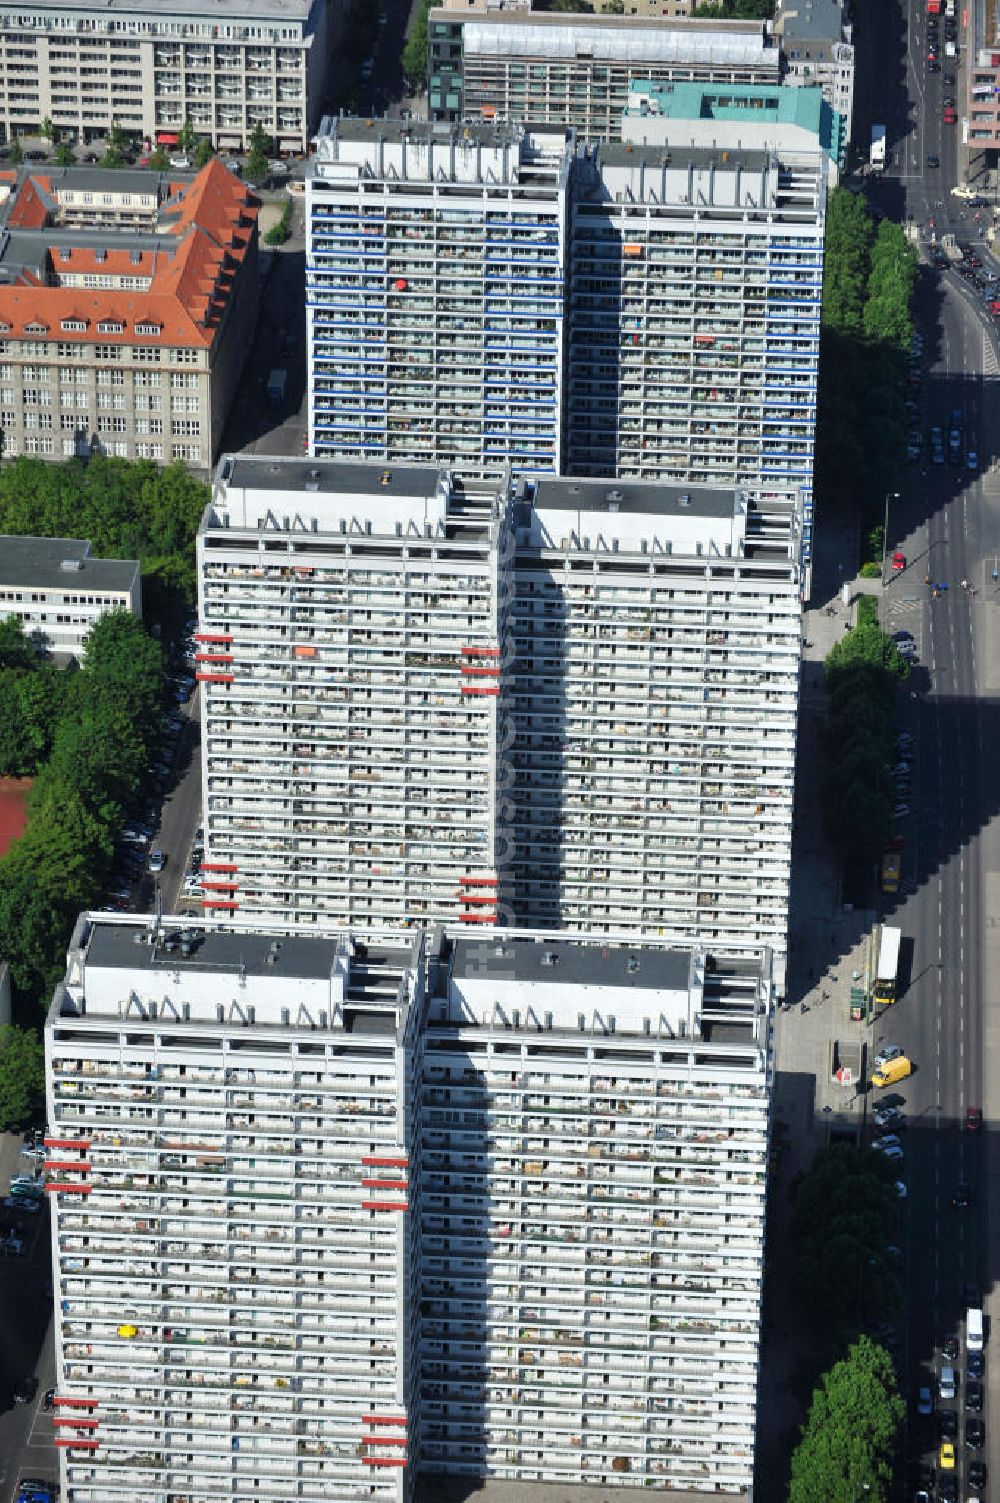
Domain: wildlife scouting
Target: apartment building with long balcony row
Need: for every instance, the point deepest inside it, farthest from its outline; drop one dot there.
(360, 1216)
(149, 68)
(492, 296)
(128, 301)
(552, 702)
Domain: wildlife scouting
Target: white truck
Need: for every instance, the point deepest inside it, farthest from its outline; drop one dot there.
(877, 154)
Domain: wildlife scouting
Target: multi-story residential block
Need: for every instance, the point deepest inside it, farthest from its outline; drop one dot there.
(350, 650)
(657, 638)
(333, 1216)
(127, 306)
(982, 77)
(151, 67)
(696, 276)
(575, 70)
(57, 589)
(817, 47)
(567, 703)
(435, 283)
(757, 117)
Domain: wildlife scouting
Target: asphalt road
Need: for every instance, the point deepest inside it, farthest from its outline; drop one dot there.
(26, 1341)
(947, 522)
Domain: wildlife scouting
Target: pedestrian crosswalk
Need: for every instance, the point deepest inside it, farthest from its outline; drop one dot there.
(991, 364)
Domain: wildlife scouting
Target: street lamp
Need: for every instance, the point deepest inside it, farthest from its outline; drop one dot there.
(889, 496)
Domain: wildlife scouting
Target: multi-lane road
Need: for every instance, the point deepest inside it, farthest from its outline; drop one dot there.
(947, 523)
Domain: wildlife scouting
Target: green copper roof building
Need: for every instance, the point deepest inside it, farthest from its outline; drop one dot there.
(769, 113)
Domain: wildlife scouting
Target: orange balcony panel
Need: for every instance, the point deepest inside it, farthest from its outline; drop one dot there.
(305, 652)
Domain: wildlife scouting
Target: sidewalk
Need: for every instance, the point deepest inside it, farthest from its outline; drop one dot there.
(828, 951)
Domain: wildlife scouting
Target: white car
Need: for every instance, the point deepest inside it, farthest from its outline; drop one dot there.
(181, 163)
(157, 861)
(901, 1191)
(277, 168)
(886, 1053)
(888, 1150)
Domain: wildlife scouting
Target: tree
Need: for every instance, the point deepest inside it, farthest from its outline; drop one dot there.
(415, 48)
(258, 154)
(158, 160)
(847, 1442)
(16, 651)
(22, 1076)
(16, 152)
(117, 139)
(64, 156)
(113, 157)
(187, 139)
(47, 130)
(203, 153)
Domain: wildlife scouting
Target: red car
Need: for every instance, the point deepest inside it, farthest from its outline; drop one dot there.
(950, 116)
(973, 1119)
(898, 562)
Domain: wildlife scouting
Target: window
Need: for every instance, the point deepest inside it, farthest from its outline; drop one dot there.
(186, 428)
(110, 326)
(146, 353)
(147, 378)
(73, 325)
(189, 453)
(35, 445)
(152, 330)
(107, 352)
(150, 451)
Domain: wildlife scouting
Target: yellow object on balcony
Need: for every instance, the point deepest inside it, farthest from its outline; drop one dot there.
(128, 1332)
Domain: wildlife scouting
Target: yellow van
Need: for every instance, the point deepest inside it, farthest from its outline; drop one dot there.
(891, 1071)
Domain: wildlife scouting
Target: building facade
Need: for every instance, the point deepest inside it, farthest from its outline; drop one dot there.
(982, 81)
(576, 70)
(150, 68)
(127, 307)
(354, 693)
(657, 635)
(556, 702)
(57, 590)
(400, 1209)
(434, 294)
(694, 323)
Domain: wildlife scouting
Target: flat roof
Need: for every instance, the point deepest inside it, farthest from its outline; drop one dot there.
(327, 476)
(821, 20)
(380, 128)
(553, 960)
(650, 497)
(124, 947)
(217, 10)
(38, 562)
(728, 159)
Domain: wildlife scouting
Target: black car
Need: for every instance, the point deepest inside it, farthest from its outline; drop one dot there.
(971, 1296)
(949, 79)
(36, 156)
(893, 1099)
(962, 1197)
(948, 1424)
(976, 1474)
(975, 1365)
(947, 1488)
(950, 1348)
(25, 1390)
(975, 1434)
(934, 67)
(91, 157)
(974, 1397)
(933, 161)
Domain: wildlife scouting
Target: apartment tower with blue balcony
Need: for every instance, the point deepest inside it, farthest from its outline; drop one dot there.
(435, 293)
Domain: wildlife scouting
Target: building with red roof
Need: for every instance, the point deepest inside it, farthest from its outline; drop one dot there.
(127, 306)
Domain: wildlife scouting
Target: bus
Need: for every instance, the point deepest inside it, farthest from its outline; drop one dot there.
(884, 989)
(891, 866)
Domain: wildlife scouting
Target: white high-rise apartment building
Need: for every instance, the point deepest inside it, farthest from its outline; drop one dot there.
(434, 293)
(443, 262)
(694, 327)
(151, 67)
(654, 694)
(565, 703)
(336, 1215)
(349, 650)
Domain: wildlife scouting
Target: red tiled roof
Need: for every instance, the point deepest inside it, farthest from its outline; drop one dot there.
(190, 275)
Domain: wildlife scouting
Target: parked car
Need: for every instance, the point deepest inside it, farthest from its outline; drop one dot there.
(890, 1151)
(25, 1390)
(31, 1206)
(157, 861)
(182, 163)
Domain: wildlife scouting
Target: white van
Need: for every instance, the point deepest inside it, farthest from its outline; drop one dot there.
(974, 1330)
(947, 1383)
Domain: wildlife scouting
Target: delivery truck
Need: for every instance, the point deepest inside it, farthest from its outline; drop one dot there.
(877, 154)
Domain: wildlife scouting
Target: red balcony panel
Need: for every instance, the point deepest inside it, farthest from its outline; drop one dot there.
(477, 918)
(213, 657)
(478, 881)
(214, 678)
(75, 1402)
(384, 1460)
(213, 636)
(75, 1441)
(66, 1142)
(219, 903)
(384, 1419)
(471, 689)
(375, 1162)
(81, 1423)
(477, 897)
(384, 1440)
(219, 866)
(68, 1164)
(470, 671)
(221, 885)
(53, 1188)
(384, 1205)
(385, 1184)
(481, 652)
